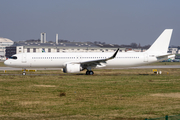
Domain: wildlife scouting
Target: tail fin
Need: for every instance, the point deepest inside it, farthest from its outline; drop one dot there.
(162, 42)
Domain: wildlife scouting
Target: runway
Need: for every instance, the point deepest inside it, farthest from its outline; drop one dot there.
(139, 67)
(157, 66)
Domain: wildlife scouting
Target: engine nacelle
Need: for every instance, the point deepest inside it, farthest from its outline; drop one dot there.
(72, 68)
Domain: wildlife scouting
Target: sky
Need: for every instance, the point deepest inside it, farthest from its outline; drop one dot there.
(111, 21)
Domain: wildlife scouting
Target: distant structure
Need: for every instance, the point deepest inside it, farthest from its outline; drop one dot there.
(56, 38)
(24, 47)
(4, 42)
(174, 50)
(43, 37)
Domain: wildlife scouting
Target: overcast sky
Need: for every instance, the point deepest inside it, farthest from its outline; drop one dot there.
(110, 21)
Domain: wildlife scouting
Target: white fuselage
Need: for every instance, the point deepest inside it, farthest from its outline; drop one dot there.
(59, 60)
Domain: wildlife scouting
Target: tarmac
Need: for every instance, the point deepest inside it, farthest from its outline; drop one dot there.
(139, 67)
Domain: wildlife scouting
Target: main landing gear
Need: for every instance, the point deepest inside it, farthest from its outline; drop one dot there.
(89, 72)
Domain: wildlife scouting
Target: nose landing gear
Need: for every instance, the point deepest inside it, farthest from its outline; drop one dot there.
(24, 72)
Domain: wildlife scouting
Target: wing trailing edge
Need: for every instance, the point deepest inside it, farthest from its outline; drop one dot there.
(96, 62)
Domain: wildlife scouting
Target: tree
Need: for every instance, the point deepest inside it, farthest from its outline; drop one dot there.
(134, 45)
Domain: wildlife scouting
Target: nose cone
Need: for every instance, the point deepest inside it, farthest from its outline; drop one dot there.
(7, 63)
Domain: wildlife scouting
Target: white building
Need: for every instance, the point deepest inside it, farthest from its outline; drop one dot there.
(26, 47)
(4, 42)
(173, 50)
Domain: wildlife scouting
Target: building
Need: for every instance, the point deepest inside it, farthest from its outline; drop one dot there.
(174, 50)
(38, 47)
(4, 42)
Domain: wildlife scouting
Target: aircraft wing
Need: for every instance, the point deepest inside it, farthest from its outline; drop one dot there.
(98, 62)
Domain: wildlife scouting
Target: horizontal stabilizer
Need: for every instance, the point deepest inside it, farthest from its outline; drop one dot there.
(165, 55)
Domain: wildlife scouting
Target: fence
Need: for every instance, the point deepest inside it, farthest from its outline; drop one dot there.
(175, 117)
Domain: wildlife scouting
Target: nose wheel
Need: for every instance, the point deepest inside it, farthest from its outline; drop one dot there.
(89, 72)
(24, 72)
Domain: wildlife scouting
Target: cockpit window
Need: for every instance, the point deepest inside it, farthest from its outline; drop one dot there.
(13, 57)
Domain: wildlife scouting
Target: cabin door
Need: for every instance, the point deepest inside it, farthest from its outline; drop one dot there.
(145, 57)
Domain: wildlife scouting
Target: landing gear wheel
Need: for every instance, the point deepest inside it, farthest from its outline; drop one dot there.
(24, 73)
(89, 72)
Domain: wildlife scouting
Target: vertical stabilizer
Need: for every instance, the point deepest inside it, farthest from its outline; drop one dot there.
(162, 42)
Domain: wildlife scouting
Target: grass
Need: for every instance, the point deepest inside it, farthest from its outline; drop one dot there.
(109, 94)
(2, 64)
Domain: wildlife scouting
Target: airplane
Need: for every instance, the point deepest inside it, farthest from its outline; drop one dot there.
(76, 62)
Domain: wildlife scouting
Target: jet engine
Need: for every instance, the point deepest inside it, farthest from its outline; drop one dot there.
(72, 68)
